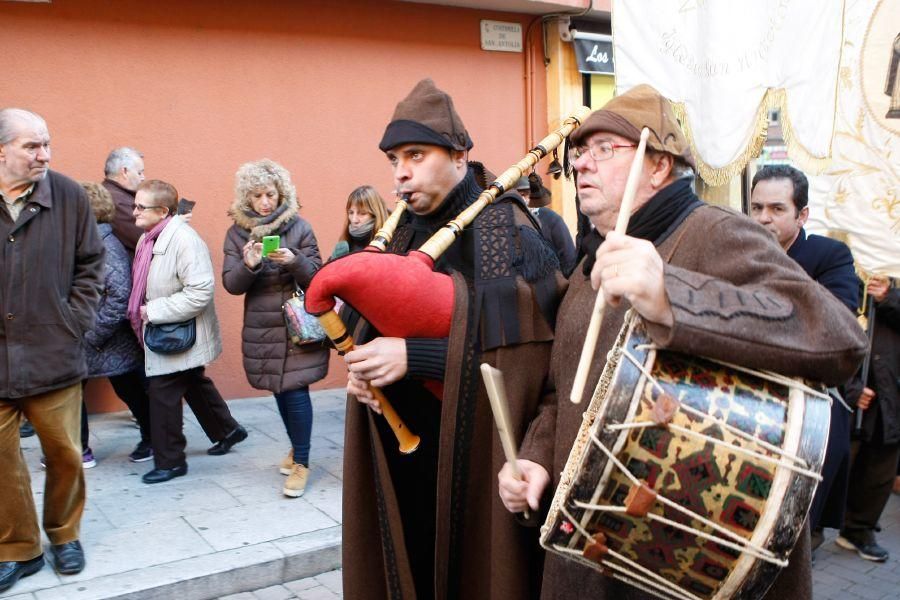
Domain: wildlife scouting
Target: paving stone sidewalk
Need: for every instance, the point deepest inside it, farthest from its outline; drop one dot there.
(223, 528)
(226, 531)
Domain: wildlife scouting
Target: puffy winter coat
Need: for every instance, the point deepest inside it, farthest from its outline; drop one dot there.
(271, 361)
(110, 347)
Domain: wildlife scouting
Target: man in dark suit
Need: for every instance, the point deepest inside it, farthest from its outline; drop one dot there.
(778, 201)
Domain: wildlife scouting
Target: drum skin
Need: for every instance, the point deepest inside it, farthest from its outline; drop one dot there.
(753, 498)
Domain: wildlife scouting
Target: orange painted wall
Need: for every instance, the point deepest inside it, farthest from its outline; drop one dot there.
(201, 86)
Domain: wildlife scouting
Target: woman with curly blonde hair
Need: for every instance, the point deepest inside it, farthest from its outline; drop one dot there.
(366, 213)
(266, 204)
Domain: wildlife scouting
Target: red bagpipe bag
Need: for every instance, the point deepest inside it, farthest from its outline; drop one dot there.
(400, 295)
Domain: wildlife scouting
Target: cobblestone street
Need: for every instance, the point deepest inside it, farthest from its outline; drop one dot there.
(837, 574)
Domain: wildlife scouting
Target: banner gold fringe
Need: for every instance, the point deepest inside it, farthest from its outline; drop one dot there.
(775, 98)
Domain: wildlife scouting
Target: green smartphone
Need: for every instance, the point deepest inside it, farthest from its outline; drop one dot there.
(270, 244)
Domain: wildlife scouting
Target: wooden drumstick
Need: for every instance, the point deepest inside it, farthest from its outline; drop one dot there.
(496, 390)
(593, 332)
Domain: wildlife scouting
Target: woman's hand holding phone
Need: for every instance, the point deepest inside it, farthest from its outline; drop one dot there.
(282, 256)
(252, 254)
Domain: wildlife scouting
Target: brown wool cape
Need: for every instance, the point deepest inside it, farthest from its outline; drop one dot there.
(716, 261)
(479, 549)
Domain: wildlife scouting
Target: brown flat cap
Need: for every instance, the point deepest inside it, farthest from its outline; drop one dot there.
(426, 116)
(625, 115)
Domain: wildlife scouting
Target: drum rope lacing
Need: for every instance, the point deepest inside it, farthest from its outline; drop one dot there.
(644, 578)
(804, 470)
(764, 554)
(649, 578)
(664, 407)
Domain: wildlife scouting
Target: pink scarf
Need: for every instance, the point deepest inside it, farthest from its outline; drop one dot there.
(140, 269)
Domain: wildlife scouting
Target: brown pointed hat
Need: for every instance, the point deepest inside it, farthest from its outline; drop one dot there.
(426, 116)
(626, 114)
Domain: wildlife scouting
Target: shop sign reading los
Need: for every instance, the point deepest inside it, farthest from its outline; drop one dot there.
(594, 52)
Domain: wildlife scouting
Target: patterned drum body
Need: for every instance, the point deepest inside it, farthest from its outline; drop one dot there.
(741, 455)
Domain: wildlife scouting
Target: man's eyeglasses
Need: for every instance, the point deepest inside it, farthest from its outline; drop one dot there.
(599, 151)
(142, 208)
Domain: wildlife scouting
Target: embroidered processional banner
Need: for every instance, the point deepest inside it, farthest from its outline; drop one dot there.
(859, 193)
(726, 63)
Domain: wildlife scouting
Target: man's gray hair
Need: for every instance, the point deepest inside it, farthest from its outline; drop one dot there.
(121, 157)
(11, 119)
(682, 170)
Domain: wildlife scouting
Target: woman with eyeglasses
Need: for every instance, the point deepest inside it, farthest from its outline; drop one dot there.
(173, 282)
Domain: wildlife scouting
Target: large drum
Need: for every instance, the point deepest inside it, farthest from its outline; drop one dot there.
(690, 478)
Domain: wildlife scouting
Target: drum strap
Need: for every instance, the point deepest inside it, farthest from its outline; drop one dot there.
(675, 245)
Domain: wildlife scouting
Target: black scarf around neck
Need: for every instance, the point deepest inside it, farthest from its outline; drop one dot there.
(462, 195)
(422, 227)
(654, 221)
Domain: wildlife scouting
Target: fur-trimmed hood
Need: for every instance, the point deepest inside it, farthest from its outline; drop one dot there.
(240, 208)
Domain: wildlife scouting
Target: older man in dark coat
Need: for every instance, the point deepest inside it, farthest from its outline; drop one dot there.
(705, 281)
(123, 173)
(51, 275)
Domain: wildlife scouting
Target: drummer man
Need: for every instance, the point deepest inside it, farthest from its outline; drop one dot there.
(706, 281)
